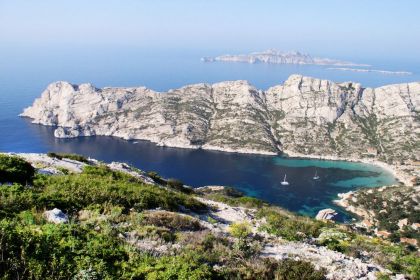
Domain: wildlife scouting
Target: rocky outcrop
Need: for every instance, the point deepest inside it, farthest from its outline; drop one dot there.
(303, 116)
(56, 216)
(326, 214)
(278, 57)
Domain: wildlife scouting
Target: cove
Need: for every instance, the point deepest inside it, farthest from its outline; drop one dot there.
(256, 175)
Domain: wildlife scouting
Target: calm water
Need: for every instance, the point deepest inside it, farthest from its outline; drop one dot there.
(24, 74)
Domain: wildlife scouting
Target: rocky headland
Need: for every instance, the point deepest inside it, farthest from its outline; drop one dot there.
(303, 117)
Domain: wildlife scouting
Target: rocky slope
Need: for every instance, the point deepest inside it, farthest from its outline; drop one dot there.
(278, 57)
(218, 219)
(303, 116)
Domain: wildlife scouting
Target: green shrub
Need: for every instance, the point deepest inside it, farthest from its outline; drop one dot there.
(102, 187)
(68, 156)
(240, 230)
(298, 270)
(243, 201)
(288, 225)
(189, 265)
(178, 185)
(56, 251)
(15, 198)
(15, 170)
(155, 176)
(172, 221)
(334, 239)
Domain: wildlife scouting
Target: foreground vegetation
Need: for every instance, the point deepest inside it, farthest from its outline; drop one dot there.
(121, 228)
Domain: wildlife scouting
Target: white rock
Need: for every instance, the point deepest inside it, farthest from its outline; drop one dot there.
(326, 214)
(56, 216)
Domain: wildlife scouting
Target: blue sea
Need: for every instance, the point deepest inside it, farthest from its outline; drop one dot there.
(25, 73)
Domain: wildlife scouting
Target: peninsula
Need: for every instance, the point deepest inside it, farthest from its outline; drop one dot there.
(303, 117)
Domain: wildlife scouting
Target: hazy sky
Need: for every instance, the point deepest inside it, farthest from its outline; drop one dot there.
(344, 28)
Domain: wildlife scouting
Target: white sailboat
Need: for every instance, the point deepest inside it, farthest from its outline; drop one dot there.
(284, 183)
(316, 177)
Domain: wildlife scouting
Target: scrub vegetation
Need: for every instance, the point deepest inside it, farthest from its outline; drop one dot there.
(122, 228)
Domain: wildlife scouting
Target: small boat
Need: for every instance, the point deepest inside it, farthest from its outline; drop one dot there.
(316, 177)
(284, 183)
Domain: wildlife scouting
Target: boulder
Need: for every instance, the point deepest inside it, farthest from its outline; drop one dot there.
(326, 214)
(56, 216)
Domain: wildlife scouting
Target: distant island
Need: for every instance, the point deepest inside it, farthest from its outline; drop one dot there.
(371, 71)
(274, 56)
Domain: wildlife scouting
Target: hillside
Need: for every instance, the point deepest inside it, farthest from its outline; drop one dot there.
(67, 217)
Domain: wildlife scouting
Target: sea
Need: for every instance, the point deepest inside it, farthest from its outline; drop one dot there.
(26, 72)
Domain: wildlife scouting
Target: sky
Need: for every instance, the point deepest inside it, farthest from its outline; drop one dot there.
(376, 28)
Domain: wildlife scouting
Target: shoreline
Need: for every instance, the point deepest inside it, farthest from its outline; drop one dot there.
(401, 176)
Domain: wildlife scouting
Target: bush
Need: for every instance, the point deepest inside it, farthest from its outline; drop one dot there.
(68, 156)
(289, 226)
(56, 252)
(172, 221)
(14, 199)
(15, 170)
(240, 230)
(155, 176)
(243, 201)
(298, 270)
(103, 187)
(189, 265)
(178, 185)
(334, 239)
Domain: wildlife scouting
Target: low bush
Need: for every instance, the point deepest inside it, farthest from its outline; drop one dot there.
(14, 199)
(290, 269)
(68, 156)
(77, 191)
(172, 221)
(14, 169)
(287, 225)
(178, 185)
(240, 230)
(334, 239)
(243, 201)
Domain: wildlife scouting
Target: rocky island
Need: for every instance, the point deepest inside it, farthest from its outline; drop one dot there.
(303, 117)
(279, 57)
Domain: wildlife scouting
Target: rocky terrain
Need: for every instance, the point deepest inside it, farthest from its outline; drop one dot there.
(278, 57)
(328, 247)
(303, 117)
(391, 212)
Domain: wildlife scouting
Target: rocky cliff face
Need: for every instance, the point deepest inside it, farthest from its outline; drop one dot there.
(304, 115)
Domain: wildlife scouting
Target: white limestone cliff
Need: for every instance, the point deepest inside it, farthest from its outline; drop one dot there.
(303, 116)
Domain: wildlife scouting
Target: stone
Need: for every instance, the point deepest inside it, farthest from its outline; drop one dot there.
(326, 214)
(56, 216)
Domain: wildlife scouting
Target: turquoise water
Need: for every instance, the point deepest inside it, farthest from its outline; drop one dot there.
(24, 74)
